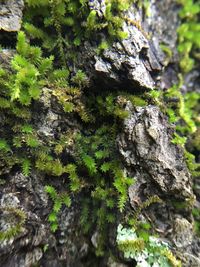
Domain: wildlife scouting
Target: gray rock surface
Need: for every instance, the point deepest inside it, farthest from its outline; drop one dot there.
(5, 58)
(137, 61)
(28, 196)
(145, 144)
(127, 63)
(159, 168)
(35, 241)
(11, 15)
(163, 28)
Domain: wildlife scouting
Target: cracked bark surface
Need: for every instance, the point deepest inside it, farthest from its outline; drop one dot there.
(160, 169)
(145, 144)
(11, 15)
(137, 64)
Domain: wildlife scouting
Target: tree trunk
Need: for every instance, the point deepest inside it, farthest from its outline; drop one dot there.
(161, 193)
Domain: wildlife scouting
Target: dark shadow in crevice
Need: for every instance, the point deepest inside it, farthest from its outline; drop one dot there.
(8, 39)
(102, 84)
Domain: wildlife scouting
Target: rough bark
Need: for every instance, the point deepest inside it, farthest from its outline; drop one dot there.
(135, 64)
(159, 168)
(10, 15)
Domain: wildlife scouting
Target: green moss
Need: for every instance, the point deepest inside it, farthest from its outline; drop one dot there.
(58, 200)
(145, 252)
(20, 87)
(151, 200)
(59, 27)
(72, 22)
(72, 17)
(97, 155)
(16, 228)
(182, 111)
(188, 33)
(167, 51)
(196, 139)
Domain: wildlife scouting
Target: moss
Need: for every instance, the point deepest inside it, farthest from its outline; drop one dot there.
(58, 200)
(151, 200)
(167, 51)
(182, 111)
(196, 139)
(59, 27)
(145, 252)
(17, 227)
(73, 17)
(188, 33)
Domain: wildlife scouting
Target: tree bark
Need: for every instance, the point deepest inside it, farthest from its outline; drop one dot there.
(136, 64)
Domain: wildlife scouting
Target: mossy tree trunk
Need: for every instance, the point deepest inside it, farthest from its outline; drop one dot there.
(99, 120)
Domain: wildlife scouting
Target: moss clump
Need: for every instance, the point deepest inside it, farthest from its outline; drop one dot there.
(145, 252)
(188, 34)
(58, 200)
(20, 87)
(59, 27)
(17, 227)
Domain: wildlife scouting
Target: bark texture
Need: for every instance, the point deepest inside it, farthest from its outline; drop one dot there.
(160, 169)
(11, 15)
(145, 144)
(135, 64)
